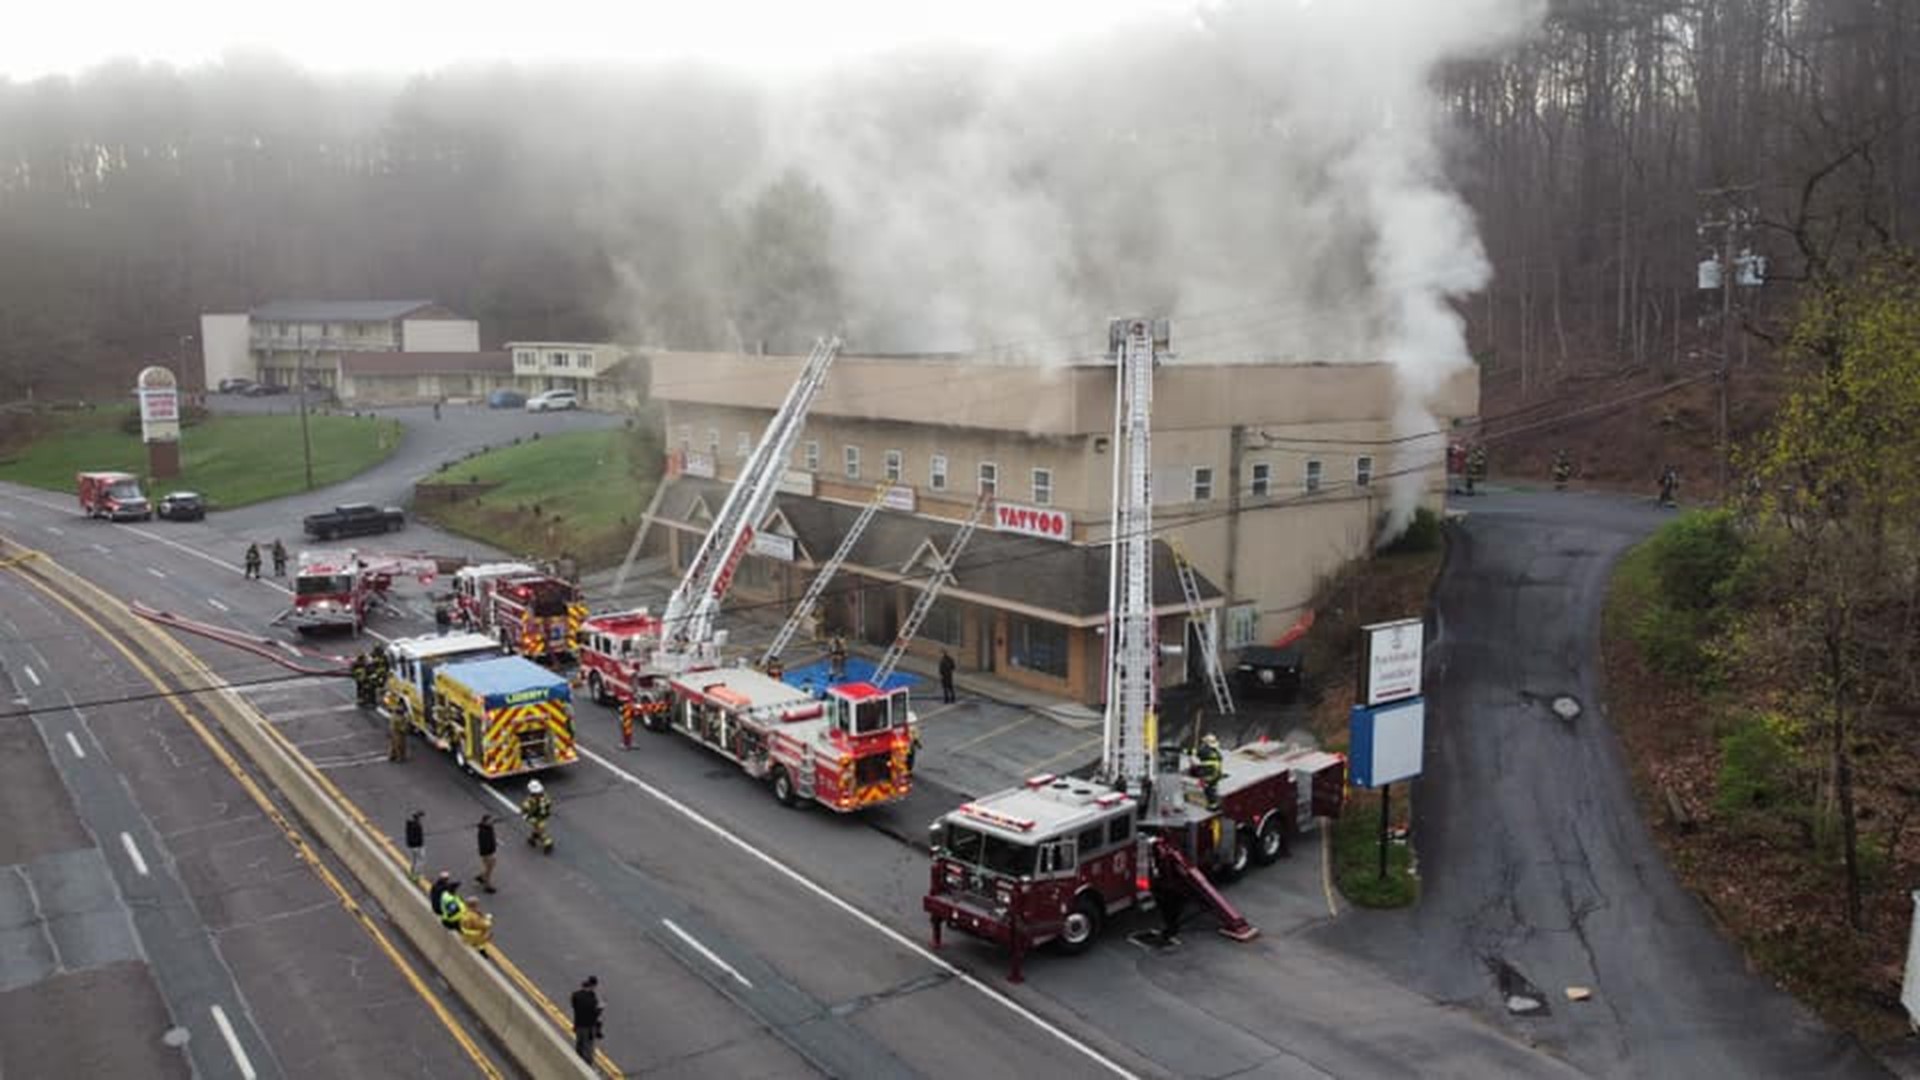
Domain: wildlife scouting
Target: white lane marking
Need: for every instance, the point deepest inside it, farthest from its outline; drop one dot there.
(351, 762)
(75, 743)
(297, 714)
(706, 952)
(872, 923)
(31, 674)
(103, 549)
(56, 531)
(156, 573)
(217, 605)
(240, 1057)
(133, 852)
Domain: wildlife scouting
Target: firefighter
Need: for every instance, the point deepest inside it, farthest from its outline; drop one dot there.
(253, 561)
(279, 558)
(452, 908)
(442, 620)
(1209, 769)
(1476, 466)
(837, 658)
(776, 669)
(476, 927)
(1669, 485)
(397, 736)
(1562, 470)
(537, 808)
(380, 671)
(363, 680)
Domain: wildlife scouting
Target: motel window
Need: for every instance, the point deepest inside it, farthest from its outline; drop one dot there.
(1363, 471)
(1313, 476)
(583, 360)
(937, 472)
(989, 478)
(894, 461)
(743, 445)
(853, 462)
(1262, 478)
(713, 443)
(1043, 487)
(813, 455)
(944, 624)
(1202, 483)
(1037, 646)
(686, 437)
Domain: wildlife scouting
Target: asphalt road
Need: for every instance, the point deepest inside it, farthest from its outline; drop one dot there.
(1537, 870)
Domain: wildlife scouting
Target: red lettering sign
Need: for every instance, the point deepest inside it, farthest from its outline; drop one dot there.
(1033, 521)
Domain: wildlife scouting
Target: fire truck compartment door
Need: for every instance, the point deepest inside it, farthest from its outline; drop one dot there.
(1329, 790)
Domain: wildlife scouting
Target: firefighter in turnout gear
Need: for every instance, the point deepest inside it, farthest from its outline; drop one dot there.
(279, 558)
(1476, 466)
(253, 560)
(837, 658)
(1562, 470)
(363, 683)
(1209, 769)
(1669, 485)
(537, 808)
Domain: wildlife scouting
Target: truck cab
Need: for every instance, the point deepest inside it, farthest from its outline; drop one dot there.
(612, 649)
(473, 590)
(411, 663)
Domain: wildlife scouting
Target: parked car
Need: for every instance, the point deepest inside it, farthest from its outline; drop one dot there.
(182, 506)
(354, 519)
(506, 399)
(233, 386)
(263, 389)
(1263, 669)
(553, 401)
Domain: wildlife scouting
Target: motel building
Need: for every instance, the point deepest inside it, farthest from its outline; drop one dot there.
(1268, 476)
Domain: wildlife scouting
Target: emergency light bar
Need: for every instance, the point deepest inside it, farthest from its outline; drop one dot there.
(1040, 781)
(1112, 798)
(997, 818)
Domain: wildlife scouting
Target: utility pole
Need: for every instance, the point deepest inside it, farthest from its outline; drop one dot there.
(1734, 264)
(300, 390)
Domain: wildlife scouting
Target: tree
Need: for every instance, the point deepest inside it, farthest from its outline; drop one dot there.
(1836, 491)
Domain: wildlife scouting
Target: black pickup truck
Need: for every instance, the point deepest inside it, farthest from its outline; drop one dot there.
(354, 519)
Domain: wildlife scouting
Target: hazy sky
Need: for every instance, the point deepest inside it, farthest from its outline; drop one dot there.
(412, 35)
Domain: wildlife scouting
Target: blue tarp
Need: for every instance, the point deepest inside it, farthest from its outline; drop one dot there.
(813, 677)
(501, 677)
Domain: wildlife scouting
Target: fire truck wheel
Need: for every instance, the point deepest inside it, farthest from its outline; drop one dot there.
(1271, 842)
(598, 689)
(782, 787)
(1077, 934)
(1242, 857)
(460, 758)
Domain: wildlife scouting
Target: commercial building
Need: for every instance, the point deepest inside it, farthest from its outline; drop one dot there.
(1268, 476)
(287, 342)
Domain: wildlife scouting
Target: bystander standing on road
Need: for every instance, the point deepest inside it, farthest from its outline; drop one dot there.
(417, 844)
(946, 677)
(489, 845)
(586, 1018)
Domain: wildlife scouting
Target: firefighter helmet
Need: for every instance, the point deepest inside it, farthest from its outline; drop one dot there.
(534, 788)
(1211, 740)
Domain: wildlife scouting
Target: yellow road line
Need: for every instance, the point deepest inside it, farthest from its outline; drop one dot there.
(1001, 730)
(306, 852)
(527, 986)
(1326, 865)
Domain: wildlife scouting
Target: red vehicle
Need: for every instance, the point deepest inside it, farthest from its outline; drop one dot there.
(852, 750)
(115, 496)
(340, 589)
(537, 616)
(473, 591)
(1053, 860)
(614, 649)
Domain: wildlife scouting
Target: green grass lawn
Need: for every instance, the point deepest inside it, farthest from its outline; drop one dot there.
(1356, 853)
(578, 494)
(232, 460)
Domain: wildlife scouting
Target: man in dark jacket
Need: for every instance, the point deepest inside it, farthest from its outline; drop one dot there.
(586, 1018)
(946, 676)
(440, 886)
(417, 848)
(489, 845)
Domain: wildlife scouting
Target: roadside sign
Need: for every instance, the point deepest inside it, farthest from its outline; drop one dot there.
(1384, 744)
(1393, 655)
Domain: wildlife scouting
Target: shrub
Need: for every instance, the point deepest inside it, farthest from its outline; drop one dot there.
(1756, 767)
(1422, 534)
(1696, 557)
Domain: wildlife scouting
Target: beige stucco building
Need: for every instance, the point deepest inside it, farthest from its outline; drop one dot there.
(1269, 476)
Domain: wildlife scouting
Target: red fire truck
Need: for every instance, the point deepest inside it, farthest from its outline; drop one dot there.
(473, 591)
(614, 649)
(339, 589)
(848, 752)
(537, 616)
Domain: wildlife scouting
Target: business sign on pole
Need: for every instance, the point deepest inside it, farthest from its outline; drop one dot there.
(773, 546)
(1391, 665)
(159, 406)
(1384, 744)
(899, 497)
(1041, 521)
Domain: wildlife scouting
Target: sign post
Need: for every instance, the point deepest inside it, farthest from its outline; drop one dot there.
(1387, 728)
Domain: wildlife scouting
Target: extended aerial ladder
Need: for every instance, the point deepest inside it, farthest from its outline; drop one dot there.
(686, 631)
(822, 577)
(930, 590)
(1209, 649)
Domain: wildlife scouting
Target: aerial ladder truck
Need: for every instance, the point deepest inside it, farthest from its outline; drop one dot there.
(1050, 861)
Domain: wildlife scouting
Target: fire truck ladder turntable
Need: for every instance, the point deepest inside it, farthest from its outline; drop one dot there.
(687, 623)
(822, 577)
(1209, 649)
(930, 591)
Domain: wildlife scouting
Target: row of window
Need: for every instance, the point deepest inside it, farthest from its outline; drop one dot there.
(987, 475)
(558, 359)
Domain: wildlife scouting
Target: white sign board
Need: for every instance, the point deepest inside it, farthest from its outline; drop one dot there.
(1394, 657)
(899, 498)
(1042, 521)
(160, 415)
(796, 482)
(700, 463)
(1384, 744)
(1910, 985)
(773, 546)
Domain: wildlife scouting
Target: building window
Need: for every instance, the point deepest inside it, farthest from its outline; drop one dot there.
(944, 624)
(894, 461)
(559, 359)
(686, 437)
(853, 462)
(1313, 476)
(937, 472)
(1037, 646)
(1262, 478)
(1202, 483)
(743, 445)
(989, 477)
(1043, 487)
(813, 455)
(523, 358)
(1243, 625)
(584, 361)
(1363, 471)
(713, 442)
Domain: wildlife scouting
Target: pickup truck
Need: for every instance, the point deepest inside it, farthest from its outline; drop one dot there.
(354, 519)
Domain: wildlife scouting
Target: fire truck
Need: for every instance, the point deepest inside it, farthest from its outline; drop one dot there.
(1052, 860)
(847, 752)
(534, 614)
(473, 591)
(340, 589)
(614, 649)
(497, 715)
(411, 663)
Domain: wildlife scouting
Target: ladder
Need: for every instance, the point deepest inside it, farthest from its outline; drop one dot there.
(818, 587)
(687, 623)
(1132, 653)
(1209, 650)
(930, 591)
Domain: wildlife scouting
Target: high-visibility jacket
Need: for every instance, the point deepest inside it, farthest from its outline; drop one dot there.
(451, 909)
(1210, 765)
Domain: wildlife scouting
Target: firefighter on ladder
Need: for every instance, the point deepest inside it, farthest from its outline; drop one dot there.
(537, 808)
